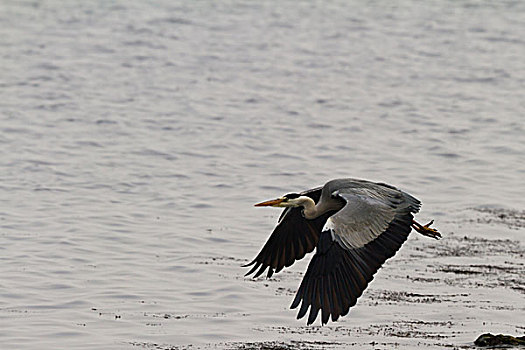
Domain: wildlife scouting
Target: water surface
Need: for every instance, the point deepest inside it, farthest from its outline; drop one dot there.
(135, 138)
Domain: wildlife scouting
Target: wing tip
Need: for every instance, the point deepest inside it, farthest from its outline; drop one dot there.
(249, 264)
(252, 270)
(296, 302)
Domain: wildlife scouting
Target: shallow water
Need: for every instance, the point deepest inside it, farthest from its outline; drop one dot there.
(135, 138)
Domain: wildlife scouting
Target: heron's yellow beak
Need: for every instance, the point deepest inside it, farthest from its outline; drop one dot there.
(271, 203)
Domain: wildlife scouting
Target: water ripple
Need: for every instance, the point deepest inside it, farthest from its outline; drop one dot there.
(136, 137)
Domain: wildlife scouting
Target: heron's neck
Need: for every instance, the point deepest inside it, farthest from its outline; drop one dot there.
(310, 210)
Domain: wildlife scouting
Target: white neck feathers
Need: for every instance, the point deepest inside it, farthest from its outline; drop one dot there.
(310, 211)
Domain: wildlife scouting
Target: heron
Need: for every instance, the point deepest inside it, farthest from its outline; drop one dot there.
(354, 225)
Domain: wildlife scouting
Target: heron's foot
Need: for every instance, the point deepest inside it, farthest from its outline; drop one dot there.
(426, 230)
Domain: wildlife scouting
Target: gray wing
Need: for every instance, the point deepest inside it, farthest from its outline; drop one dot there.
(367, 213)
(360, 237)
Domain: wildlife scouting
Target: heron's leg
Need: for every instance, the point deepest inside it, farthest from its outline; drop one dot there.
(426, 230)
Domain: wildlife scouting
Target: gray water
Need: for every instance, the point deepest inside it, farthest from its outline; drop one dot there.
(136, 136)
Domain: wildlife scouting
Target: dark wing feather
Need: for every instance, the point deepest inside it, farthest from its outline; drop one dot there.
(336, 276)
(292, 238)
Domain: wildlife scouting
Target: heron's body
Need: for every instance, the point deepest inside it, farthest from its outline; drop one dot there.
(356, 226)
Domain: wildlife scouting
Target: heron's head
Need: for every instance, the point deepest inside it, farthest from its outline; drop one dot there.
(288, 200)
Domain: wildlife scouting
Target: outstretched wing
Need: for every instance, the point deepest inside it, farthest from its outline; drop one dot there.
(348, 256)
(292, 238)
(368, 211)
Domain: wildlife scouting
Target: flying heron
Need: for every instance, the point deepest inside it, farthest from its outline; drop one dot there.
(356, 225)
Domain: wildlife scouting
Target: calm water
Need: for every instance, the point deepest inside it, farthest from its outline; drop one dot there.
(135, 138)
